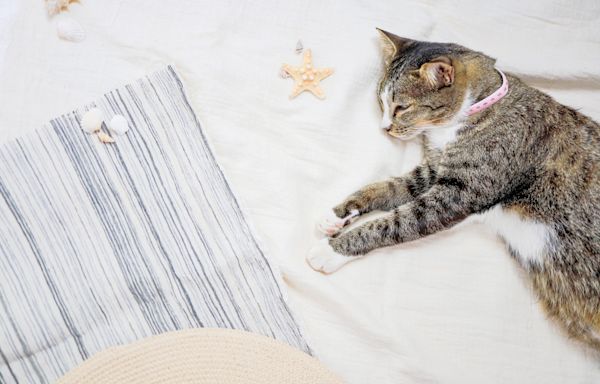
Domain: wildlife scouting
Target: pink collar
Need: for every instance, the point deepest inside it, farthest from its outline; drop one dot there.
(491, 99)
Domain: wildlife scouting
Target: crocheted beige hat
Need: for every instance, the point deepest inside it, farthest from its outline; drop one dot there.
(203, 356)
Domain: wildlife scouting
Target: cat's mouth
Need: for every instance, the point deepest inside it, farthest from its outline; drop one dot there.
(404, 133)
(408, 132)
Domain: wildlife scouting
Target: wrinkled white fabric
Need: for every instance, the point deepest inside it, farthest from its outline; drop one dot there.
(452, 308)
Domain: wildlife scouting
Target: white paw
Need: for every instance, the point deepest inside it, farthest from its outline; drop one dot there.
(331, 225)
(323, 258)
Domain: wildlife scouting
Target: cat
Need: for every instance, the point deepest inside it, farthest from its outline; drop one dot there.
(529, 166)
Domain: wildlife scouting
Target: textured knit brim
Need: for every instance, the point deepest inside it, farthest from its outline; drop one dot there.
(205, 355)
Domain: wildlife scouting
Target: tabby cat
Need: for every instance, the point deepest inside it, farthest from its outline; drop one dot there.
(527, 165)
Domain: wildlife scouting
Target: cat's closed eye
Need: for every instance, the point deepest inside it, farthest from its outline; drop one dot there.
(400, 108)
(434, 107)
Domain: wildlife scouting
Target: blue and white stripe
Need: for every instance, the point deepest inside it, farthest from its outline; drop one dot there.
(105, 244)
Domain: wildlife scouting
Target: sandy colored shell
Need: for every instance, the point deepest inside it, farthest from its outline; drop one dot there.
(54, 7)
(105, 138)
(69, 29)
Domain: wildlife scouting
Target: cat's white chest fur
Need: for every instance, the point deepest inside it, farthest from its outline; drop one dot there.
(441, 135)
(530, 240)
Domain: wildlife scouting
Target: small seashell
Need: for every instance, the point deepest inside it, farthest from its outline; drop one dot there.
(299, 47)
(92, 120)
(69, 29)
(64, 4)
(52, 7)
(283, 73)
(104, 138)
(118, 125)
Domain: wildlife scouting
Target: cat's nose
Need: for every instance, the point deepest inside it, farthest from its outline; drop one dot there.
(386, 123)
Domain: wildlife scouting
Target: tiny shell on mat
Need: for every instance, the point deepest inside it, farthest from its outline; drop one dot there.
(299, 47)
(52, 7)
(69, 29)
(118, 125)
(92, 120)
(283, 73)
(105, 138)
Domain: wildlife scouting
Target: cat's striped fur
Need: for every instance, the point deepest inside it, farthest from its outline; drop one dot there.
(528, 163)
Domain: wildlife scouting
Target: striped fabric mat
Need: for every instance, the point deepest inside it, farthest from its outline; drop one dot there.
(105, 244)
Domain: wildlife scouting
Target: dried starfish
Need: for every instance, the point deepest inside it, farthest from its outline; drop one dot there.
(307, 77)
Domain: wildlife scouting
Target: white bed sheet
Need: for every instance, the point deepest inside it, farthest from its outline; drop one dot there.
(453, 308)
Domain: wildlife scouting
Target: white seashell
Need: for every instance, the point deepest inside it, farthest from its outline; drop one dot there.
(69, 29)
(283, 73)
(118, 125)
(299, 47)
(91, 120)
(104, 138)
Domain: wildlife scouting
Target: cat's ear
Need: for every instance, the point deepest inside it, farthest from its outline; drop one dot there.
(391, 45)
(438, 73)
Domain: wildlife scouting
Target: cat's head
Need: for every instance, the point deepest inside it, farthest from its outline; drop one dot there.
(424, 84)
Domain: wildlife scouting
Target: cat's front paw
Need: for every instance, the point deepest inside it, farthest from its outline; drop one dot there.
(331, 225)
(323, 258)
(344, 209)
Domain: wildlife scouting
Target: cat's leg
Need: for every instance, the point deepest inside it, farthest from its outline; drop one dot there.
(385, 195)
(444, 205)
(389, 194)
